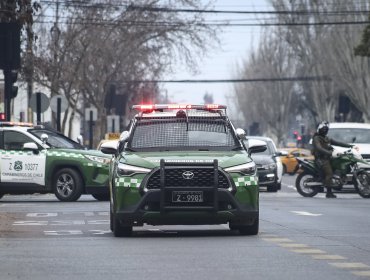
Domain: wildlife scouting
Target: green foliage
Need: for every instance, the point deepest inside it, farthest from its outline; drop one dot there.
(363, 49)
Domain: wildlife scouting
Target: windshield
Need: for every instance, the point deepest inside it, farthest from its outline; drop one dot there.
(56, 140)
(179, 134)
(350, 135)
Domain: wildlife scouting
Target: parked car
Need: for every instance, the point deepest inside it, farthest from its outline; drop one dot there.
(183, 164)
(289, 158)
(269, 165)
(39, 160)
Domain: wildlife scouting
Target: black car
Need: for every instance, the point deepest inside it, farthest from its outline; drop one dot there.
(269, 166)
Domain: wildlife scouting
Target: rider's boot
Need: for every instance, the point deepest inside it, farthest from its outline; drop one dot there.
(329, 193)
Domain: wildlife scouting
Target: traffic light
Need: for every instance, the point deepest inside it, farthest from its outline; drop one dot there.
(14, 92)
(14, 89)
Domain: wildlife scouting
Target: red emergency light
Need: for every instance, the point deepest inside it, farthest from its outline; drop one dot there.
(177, 106)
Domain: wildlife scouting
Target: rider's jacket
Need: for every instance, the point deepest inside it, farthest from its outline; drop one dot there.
(322, 148)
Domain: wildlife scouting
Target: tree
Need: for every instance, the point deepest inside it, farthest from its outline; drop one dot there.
(101, 44)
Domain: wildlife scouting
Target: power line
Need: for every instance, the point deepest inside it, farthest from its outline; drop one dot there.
(281, 79)
(168, 24)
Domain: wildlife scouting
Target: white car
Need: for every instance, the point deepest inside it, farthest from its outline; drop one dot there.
(269, 165)
(352, 133)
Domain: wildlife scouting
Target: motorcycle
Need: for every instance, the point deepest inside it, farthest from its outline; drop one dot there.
(346, 171)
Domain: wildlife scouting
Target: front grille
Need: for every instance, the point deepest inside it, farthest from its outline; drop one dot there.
(174, 178)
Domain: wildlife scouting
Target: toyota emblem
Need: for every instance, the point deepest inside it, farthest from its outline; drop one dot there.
(188, 175)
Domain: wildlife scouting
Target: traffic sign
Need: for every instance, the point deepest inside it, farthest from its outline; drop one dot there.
(93, 111)
(44, 102)
(54, 103)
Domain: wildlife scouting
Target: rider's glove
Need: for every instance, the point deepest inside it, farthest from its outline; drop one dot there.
(336, 154)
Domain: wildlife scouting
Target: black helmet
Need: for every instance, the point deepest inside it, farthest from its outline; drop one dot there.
(323, 128)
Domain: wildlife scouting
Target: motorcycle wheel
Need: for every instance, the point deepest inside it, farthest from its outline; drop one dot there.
(362, 183)
(304, 190)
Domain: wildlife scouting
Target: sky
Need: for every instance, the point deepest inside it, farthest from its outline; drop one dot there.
(236, 45)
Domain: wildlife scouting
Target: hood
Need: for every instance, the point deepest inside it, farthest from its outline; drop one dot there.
(152, 159)
(262, 159)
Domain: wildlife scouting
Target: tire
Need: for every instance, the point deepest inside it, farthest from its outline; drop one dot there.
(111, 221)
(120, 230)
(67, 185)
(273, 188)
(101, 196)
(301, 187)
(361, 183)
(247, 230)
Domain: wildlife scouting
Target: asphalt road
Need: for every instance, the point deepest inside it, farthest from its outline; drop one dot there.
(300, 238)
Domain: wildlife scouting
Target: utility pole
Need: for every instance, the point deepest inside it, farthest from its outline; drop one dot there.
(54, 82)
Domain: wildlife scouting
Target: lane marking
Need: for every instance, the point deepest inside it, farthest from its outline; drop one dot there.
(292, 245)
(277, 239)
(304, 213)
(62, 232)
(61, 223)
(308, 251)
(349, 265)
(361, 273)
(328, 257)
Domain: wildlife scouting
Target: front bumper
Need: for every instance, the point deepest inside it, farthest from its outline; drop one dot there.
(151, 210)
(266, 177)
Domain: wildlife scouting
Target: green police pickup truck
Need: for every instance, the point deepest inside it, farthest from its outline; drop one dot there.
(39, 160)
(183, 164)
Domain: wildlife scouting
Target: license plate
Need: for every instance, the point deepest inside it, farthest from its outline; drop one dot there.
(187, 196)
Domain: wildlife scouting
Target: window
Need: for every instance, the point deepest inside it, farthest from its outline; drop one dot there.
(14, 140)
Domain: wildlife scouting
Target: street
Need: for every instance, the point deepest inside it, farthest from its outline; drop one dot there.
(300, 238)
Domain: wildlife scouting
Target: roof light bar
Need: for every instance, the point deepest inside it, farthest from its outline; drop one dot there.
(177, 106)
(16, 124)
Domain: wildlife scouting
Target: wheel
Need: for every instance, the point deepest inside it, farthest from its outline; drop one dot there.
(118, 229)
(273, 188)
(362, 184)
(301, 185)
(247, 229)
(101, 196)
(68, 185)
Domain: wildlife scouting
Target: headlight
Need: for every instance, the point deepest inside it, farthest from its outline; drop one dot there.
(102, 160)
(247, 168)
(126, 170)
(270, 166)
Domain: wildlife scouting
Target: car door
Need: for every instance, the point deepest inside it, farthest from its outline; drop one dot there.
(20, 166)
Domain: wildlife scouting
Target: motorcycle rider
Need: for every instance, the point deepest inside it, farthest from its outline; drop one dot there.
(323, 151)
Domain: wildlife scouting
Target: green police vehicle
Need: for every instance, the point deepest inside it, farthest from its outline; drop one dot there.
(183, 165)
(35, 159)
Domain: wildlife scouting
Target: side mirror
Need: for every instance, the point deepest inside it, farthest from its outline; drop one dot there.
(109, 147)
(284, 153)
(80, 139)
(124, 136)
(44, 138)
(256, 146)
(30, 146)
(240, 133)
